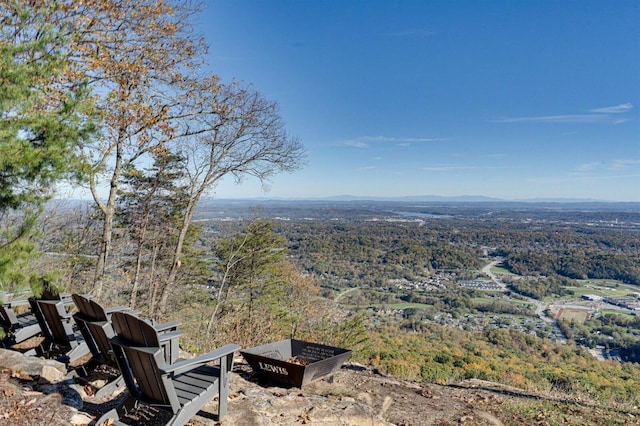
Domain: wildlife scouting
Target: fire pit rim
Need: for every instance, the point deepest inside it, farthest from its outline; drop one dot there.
(295, 374)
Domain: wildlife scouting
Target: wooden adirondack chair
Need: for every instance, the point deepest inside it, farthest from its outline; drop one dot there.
(17, 328)
(94, 323)
(57, 326)
(181, 388)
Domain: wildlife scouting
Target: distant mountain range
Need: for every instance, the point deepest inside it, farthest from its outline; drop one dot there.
(438, 198)
(409, 198)
(420, 198)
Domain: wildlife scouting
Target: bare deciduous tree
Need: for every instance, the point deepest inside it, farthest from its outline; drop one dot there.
(133, 53)
(233, 132)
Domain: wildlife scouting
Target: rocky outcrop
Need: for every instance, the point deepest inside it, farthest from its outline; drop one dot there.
(326, 402)
(355, 395)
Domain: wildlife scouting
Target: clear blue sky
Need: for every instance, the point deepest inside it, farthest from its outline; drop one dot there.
(509, 99)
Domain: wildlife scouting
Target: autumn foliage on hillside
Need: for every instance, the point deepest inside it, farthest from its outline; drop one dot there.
(446, 355)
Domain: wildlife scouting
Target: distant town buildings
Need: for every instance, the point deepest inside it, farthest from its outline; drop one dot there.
(435, 282)
(485, 285)
(628, 302)
(592, 297)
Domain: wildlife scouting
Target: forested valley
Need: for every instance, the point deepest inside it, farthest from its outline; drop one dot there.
(387, 283)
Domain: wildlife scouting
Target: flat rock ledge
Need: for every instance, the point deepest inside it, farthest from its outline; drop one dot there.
(35, 391)
(323, 402)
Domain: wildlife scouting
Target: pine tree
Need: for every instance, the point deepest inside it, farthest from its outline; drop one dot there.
(44, 116)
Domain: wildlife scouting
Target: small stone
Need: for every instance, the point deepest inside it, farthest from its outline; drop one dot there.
(99, 383)
(51, 374)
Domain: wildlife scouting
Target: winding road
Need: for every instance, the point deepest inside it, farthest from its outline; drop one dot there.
(487, 271)
(540, 307)
(341, 295)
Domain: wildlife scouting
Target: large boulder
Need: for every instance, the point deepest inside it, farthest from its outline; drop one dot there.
(29, 367)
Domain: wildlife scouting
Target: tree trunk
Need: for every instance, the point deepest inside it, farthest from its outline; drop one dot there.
(153, 286)
(218, 302)
(139, 252)
(105, 244)
(136, 277)
(108, 210)
(177, 255)
(173, 274)
(230, 264)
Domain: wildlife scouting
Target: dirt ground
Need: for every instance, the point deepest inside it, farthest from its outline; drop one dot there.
(388, 401)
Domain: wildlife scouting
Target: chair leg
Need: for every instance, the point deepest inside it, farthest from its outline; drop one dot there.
(44, 349)
(226, 365)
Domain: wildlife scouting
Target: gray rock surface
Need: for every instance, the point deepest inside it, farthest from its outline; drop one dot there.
(45, 370)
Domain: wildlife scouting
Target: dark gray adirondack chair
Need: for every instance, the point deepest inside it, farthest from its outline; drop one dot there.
(181, 388)
(94, 323)
(17, 328)
(57, 326)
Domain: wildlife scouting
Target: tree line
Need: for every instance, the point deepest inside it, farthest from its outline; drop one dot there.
(576, 264)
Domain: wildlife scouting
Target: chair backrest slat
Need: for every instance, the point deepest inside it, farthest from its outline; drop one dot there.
(83, 305)
(98, 311)
(101, 332)
(95, 327)
(89, 308)
(147, 374)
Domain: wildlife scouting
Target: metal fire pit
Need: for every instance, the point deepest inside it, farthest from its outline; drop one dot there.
(294, 362)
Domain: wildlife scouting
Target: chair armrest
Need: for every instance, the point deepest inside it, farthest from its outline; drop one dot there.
(190, 364)
(67, 296)
(167, 326)
(169, 336)
(116, 309)
(67, 317)
(14, 303)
